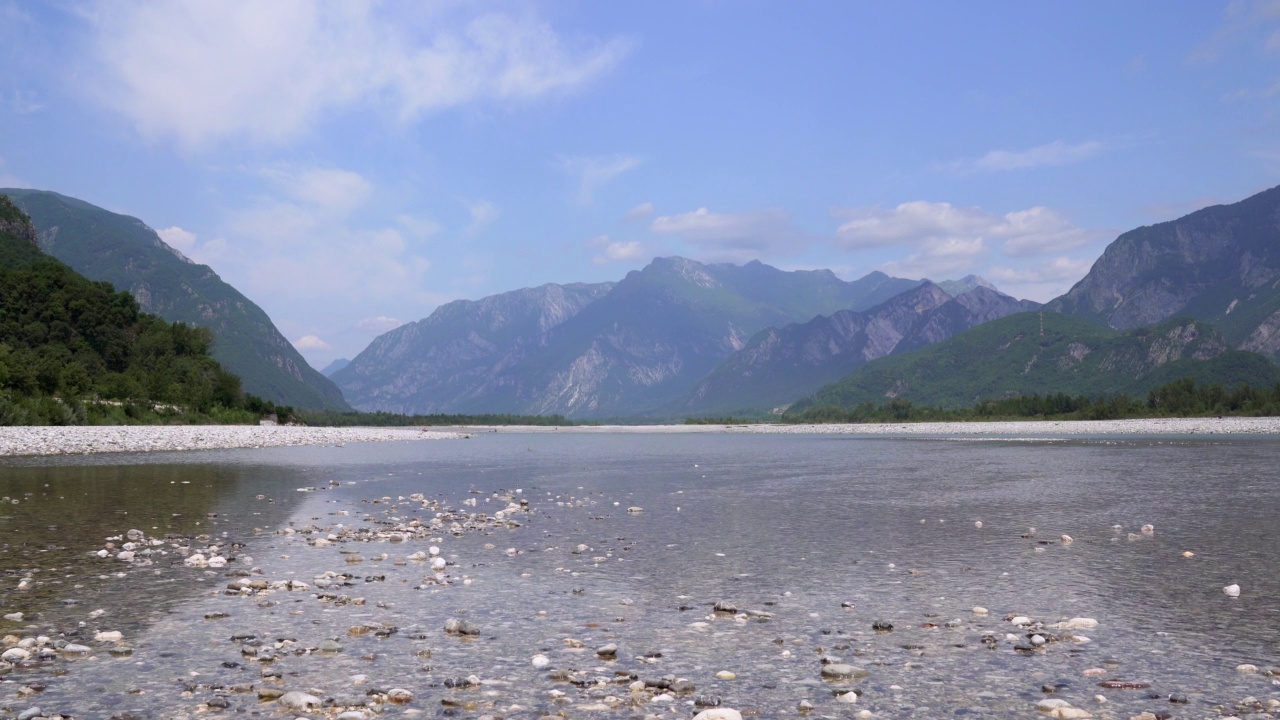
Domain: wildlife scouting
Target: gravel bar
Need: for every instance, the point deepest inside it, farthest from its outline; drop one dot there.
(1027, 428)
(16, 441)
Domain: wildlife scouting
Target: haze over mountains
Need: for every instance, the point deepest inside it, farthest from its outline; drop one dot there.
(605, 350)
(683, 338)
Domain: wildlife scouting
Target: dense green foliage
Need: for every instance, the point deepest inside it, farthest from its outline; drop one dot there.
(123, 251)
(1180, 398)
(386, 419)
(1046, 354)
(74, 351)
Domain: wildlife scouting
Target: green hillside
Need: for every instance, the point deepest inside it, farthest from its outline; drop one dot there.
(1049, 353)
(65, 339)
(123, 251)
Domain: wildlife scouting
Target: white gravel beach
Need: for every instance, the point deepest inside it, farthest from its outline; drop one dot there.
(16, 441)
(1031, 428)
(19, 441)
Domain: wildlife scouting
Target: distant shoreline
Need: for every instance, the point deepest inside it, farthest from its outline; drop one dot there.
(1015, 428)
(35, 441)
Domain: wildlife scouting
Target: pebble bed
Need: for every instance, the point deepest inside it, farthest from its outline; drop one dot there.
(79, 440)
(368, 611)
(503, 602)
(1006, 429)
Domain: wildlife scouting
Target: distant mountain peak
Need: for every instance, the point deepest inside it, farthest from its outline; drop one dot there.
(688, 270)
(334, 367)
(968, 283)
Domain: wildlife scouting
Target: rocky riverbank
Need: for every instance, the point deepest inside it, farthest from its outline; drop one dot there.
(19, 441)
(1037, 428)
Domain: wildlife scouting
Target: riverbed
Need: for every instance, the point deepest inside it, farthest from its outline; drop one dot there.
(632, 574)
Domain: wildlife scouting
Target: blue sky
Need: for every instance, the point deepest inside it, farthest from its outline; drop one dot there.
(349, 166)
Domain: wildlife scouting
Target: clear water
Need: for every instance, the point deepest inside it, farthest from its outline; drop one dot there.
(794, 526)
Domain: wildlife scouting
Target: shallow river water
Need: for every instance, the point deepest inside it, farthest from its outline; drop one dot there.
(631, 540)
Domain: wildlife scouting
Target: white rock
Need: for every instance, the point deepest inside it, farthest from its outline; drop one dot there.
(298, 700)
(718, 714)
(125, 556)
(1232, 590)
(109, 636)
(439, 564)
(1080, 623)
(1071, 713)
(540, 661)
(15, 655)
(1051, 704)
(74, 649)
(1020, 620)
(1247, 668)
(1067, 539)
(16, 616)
(197, 560)
(979, 610)
(217, 561)
(848, 698)
(399, 696)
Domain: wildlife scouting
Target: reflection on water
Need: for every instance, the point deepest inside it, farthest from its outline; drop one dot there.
(818, 536)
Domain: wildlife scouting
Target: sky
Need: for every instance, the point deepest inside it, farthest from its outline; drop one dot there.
(349, 166)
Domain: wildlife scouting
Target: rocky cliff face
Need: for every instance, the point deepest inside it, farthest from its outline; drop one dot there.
(14, 222)
(781, 365)
(458, 359)
(1220, 265)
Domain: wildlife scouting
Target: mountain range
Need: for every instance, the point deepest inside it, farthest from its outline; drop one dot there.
(1198, 296)
(629, 348)
(123, 251)
(683, 338)
(1044, 353)
(781, 364)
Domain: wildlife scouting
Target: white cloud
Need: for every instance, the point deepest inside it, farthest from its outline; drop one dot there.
(939, 258)
(482, 213)
(379, 323)
(196, 71)
(1040, 282)
(177, 238)
(593, 172)
(421, 228)
(1052, 154)
(734, 237)
(925, 224)
(302, 242)
(310, 342)
(189, 246)
(329, 190)
(1247, 18)
(640, 212)
(611, 251)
